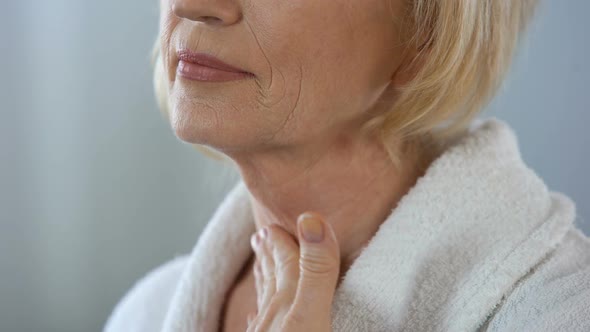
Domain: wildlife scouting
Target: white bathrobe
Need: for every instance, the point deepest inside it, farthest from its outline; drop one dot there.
(479, 243)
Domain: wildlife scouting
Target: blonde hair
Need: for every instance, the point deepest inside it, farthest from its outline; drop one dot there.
(465, 49)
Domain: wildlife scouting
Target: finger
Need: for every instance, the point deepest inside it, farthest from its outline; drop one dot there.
(258, 283)
(286, 259)
(319, 265)
(255, 243)
(267, 266)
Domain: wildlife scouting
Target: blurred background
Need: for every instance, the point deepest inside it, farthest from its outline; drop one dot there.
(95, 189)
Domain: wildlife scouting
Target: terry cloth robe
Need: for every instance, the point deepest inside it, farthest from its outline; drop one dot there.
(479, 243)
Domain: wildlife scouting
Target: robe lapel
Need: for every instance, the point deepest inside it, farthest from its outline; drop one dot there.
(476, 223)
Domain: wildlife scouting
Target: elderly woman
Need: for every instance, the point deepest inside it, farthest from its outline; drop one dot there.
(370, 198)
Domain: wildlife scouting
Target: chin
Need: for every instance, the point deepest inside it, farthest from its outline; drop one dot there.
(213, 136)
(192, 135)
(200, 134)
(197, 125)
(220, 129)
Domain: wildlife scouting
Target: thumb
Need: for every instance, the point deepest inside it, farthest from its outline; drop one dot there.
(319, 264)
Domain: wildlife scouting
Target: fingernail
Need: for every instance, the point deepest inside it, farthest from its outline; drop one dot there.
(311, 228)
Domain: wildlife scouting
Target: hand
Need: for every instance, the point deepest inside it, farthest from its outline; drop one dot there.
(295, 283)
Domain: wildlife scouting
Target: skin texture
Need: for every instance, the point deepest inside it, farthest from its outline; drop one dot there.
(321, 69)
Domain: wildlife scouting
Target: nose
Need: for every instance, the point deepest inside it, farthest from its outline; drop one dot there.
(213, 12)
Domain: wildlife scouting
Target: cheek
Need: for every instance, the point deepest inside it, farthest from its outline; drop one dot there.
(340, 54)
(292, 40)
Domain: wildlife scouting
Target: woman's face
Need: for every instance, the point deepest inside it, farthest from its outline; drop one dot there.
(319, 67)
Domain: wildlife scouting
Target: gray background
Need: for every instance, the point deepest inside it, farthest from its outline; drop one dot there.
(95, 190)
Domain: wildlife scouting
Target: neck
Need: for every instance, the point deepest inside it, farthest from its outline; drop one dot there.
(351, 181)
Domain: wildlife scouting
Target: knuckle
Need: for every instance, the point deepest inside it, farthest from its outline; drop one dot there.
(285, 261)
(318, 264)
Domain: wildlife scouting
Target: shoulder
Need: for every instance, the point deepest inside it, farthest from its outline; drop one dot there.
(144, 306)
(554, 295)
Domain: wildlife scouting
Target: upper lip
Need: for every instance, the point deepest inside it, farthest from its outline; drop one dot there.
(207, 60)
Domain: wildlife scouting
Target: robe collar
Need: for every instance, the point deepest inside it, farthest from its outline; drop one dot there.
(474, 224)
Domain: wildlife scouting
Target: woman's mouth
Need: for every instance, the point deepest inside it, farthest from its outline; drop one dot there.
(207, 68)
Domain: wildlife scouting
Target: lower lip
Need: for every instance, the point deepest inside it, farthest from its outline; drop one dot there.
(195, 72)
